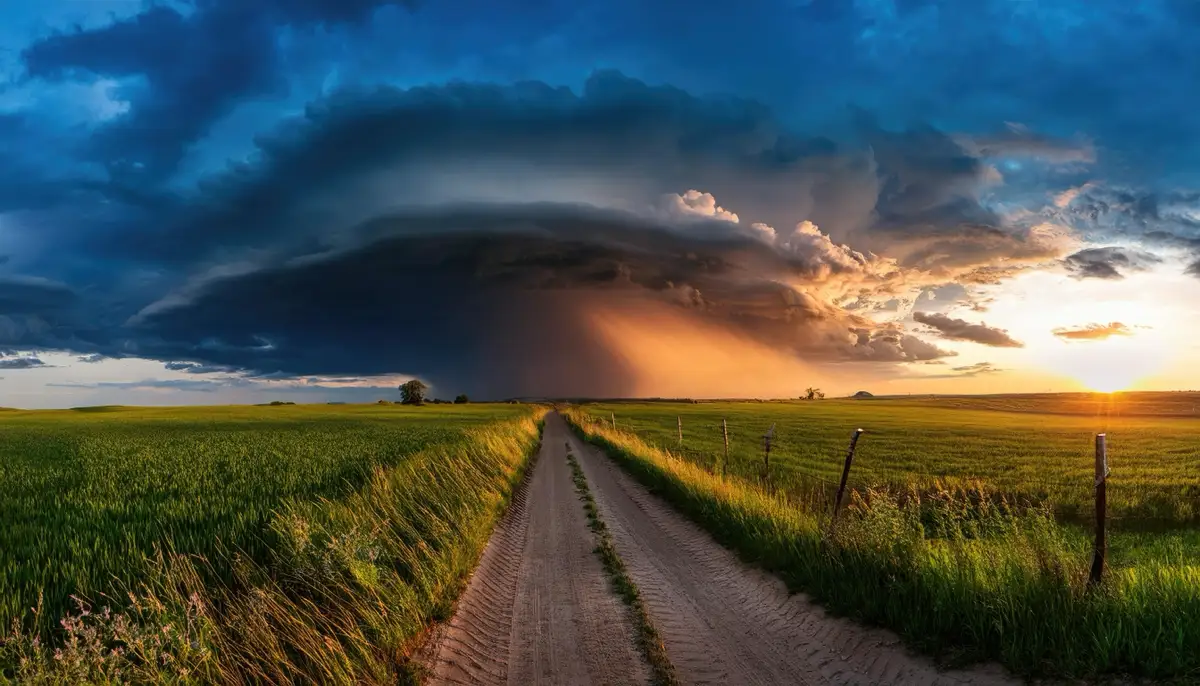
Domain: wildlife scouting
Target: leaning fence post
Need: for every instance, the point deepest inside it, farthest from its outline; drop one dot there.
(613, 417)
(837, 502)
(679, 422)
(767, 454)
(1101, 546)
(725, 432)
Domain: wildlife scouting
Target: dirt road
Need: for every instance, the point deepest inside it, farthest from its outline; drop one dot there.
(539, 608)
(724, 622)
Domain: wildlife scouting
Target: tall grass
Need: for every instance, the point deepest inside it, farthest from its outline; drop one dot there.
(341, 593)
(86, 496)
(958, 579)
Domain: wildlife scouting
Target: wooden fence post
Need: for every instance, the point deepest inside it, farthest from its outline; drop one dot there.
(725, 432)
(767, 454)
(1100, 548)
(837, 502)
(679, 422)
(613, 417)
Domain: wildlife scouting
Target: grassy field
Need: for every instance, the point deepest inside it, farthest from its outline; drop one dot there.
(931, 546)
(318, 514)
(1031, 448)
(1109, 406)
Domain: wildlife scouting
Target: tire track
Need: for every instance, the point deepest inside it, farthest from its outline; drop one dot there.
(724, 622)
(472, 648)
(539, 609)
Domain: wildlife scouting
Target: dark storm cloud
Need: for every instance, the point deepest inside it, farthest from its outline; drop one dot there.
(196, 66)
(653, 140)
(951, 198)
(961, 330)
(305, 12)
(928, 212)
(497, 300)
(923, 170)
(1093, 332)
(967, 65)
(619, 141)
(1109, 263)
(348, 245)
(35, 311)
(1121, 211)
(1156, 219)
(195, 368)
(32, 295)
(28, 362)
(1019, 141)
(23, 185)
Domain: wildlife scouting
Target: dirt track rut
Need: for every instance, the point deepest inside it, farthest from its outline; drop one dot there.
(539, 608)
(724, 622)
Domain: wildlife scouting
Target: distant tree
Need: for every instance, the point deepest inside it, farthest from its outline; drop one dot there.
(413, 392)
(811, 393)
(461, 399)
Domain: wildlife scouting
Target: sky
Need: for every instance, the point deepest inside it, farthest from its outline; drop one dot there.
(219, 201)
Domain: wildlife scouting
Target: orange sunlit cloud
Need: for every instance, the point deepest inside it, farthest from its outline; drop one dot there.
(1093, 332)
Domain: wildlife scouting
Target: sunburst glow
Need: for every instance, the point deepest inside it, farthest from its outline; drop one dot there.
(1107, 366)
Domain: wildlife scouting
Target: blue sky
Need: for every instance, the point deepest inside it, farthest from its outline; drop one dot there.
(222, 201)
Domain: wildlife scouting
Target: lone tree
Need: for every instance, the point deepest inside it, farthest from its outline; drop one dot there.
(811, 393)
(412, 392)
(461, 399)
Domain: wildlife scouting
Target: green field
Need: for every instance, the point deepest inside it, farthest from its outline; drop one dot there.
(245, 497)
(968, 527)
(1029, 448)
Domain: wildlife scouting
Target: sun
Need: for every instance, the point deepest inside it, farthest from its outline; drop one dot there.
(1105, 383)
(1107, 366)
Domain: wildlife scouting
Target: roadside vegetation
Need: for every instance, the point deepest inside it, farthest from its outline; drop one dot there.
(648, 638)
(237, 545)
(950, 535)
